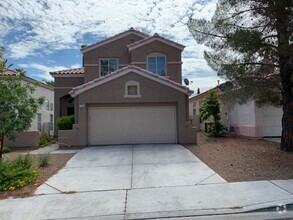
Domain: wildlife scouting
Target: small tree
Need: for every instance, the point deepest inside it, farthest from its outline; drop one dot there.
(210, 109)
(17, 106)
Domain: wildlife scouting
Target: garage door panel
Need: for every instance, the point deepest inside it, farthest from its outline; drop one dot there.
(272, 121)
(126, 125)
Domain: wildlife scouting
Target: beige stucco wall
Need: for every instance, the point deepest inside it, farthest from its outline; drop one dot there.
(62, 87)
(153, 93)
(28, 139)
(116, 49)
(173, 58)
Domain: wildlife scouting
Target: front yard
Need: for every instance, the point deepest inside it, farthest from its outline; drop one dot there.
(239, 159)
(56, 162)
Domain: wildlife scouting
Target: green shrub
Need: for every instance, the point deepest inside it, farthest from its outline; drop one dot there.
(6, 149)
(44, 159)
(24, 161)
(216, 130)
(46, 139)
(16, 173)
(65, 122)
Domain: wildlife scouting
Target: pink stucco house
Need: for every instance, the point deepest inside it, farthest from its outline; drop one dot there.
(248, 119)
(128, 91)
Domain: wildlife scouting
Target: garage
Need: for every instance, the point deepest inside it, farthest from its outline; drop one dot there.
(132, 125)
(272, 121)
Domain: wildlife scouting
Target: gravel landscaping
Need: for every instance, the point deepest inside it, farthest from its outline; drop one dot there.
(239, 159)
(56, 162)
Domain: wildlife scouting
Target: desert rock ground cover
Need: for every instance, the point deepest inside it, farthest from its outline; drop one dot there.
(240, 159)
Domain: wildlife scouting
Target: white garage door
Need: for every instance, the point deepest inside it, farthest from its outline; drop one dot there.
(272, 121)
(132, 125)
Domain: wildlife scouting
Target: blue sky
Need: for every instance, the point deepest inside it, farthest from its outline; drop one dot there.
(42, 36)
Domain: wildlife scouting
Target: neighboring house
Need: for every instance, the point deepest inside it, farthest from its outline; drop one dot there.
(247, 119)
(194, 106)
(44, 119)
(128, 91)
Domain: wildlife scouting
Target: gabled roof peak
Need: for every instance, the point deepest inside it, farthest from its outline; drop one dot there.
(130, 68)
(155, 37)
(113, 38)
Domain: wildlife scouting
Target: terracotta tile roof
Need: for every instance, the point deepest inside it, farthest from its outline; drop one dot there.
(202, 95)
(131, 67)
(130, 46)
(115, 36)
(8, 72)
(74, 71)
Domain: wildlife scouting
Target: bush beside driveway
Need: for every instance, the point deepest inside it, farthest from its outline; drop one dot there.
(56, 162)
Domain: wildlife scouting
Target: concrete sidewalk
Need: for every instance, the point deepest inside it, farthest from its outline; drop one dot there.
(200, 200)
(142, 181)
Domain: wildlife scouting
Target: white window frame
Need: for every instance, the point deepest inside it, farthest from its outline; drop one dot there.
(107, 58)
(47, 104)
(132, 83)
(156, 54)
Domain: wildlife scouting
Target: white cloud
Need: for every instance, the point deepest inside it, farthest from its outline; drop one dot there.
(49, 26)
(204, 83)
(45, 70)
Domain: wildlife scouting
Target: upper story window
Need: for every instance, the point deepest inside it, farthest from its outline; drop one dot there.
(108, 65)
(46, 104)
(157, 64)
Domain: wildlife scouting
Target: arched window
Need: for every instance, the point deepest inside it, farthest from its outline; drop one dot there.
(156, 63)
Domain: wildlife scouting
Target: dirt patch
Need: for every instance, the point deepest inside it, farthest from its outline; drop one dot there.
(239, 159)
(57, 162)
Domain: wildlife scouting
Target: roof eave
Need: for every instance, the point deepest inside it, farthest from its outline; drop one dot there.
(80, 89)
(175, 45)
(94, 46)
(66, 75)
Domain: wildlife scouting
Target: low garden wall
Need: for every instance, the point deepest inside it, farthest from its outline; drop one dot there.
(27, 139)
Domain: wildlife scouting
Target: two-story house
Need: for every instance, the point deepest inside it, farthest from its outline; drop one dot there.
(128, 91)
(44, 118)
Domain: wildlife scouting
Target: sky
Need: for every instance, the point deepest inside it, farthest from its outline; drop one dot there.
(45, 35)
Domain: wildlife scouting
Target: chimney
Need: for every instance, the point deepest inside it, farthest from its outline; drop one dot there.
(218, 82)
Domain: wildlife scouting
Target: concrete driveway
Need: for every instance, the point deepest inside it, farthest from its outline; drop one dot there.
(141, 181)
(130, 167)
